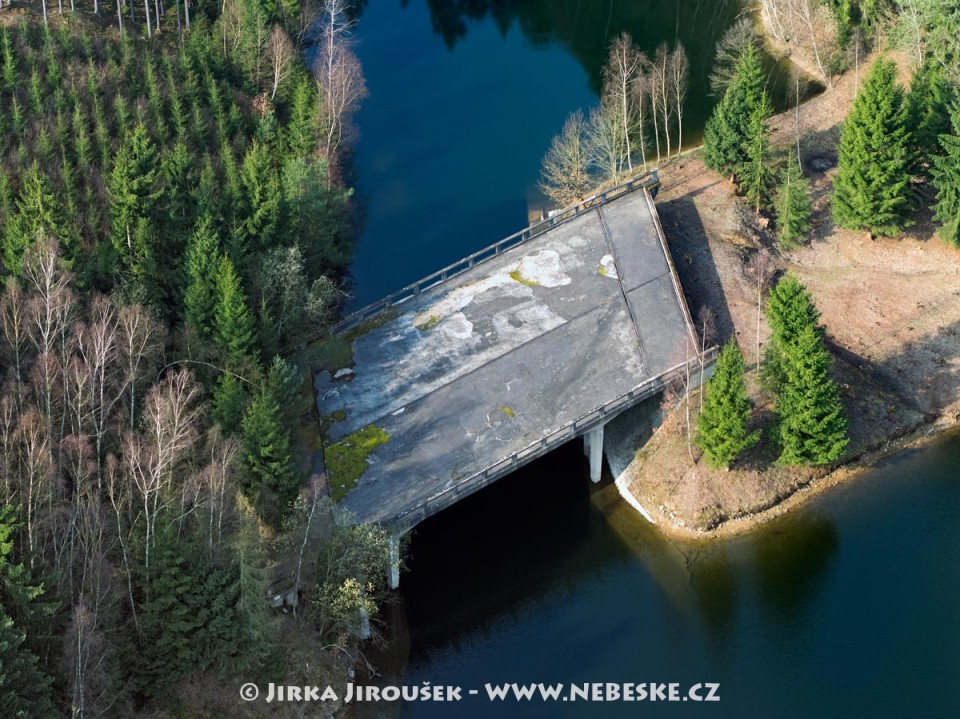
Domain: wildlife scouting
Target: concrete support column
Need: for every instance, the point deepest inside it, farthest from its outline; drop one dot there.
(593, 447)
(393, 567)
(364, 631)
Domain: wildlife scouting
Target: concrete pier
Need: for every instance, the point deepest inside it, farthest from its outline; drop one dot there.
(593, 447)
(393, 562)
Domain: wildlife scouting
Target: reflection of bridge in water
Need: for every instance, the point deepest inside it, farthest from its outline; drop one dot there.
(496, 360)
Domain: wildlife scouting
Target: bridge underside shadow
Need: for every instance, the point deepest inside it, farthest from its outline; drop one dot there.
(495, 361)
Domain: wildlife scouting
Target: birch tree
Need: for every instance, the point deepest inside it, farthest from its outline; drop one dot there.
(565, 176)
(679, 71)
(626, 64)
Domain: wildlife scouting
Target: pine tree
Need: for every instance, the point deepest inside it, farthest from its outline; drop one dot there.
(946, 178)
(872, 186)
(811, 424)
(722, 428)
(200, 297)
(271, 479)
(233, 323)
(727, 130)
(793, 206)
(756, 175)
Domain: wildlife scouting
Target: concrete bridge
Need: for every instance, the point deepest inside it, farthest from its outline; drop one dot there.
(457, 380)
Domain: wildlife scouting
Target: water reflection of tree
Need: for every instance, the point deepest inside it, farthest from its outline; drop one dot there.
(714, 582)
(792, 562)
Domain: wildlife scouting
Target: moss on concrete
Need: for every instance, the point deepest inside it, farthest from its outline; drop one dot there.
(507, 411)
(336, 352)
(517, 276)
(327, 420)
(428, 324)
(347, 459)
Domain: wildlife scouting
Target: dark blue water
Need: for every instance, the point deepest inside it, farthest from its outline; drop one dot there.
(846, 608)
(464, 100)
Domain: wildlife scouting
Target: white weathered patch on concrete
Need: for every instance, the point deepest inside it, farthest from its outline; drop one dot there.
(608, 268)
(460, 297)
(543, 268)
(457, 326)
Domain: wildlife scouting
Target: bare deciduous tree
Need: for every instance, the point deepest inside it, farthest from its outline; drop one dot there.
(36, 475)
(626, 64)
(140, 340)
(565, 176)
(605, 140)
(152, 457)
(13, 315)
(707, 326)
(679, 72)
(339, 77)
(279, 54)
(761, 267)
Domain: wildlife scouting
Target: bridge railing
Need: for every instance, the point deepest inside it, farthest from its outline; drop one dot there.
(647, 180)
(468, 485)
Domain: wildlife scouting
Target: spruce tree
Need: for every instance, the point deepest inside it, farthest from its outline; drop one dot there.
(271, 479)
(727, 130)
(722, 428)
(756, 175)
(25, 689)
(233, 323)
(871, 190)
(256, 623)
(946, 178)
(790, 309)
(229, 403)
(811, 424)
(928, 111)
(793, 206)
(133, 186)
(38, 214)
(200, 297)
(261, 202)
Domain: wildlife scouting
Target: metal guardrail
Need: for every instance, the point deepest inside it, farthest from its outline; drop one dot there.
(468, 485)
(647, 180)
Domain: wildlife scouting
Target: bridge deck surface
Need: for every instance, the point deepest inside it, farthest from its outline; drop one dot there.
(475, 369)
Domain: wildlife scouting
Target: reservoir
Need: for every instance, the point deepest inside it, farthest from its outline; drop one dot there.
(847, 607)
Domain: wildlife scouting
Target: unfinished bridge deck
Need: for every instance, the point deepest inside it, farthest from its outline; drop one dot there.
(495, 361)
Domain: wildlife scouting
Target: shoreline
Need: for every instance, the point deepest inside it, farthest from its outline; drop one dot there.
(924, 434)
(654, 486)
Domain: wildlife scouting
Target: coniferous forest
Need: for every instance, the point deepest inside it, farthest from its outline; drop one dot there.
(174, 216)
